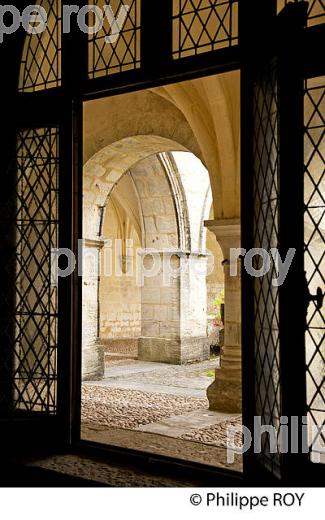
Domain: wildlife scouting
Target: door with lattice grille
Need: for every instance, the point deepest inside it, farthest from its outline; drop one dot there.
(35, 316)
(30, 230)
(283, 211)
(37, 213)
(35, 221)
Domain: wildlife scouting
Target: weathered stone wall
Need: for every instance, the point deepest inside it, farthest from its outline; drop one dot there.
(120, 297)
(160, 303)
(157, 204)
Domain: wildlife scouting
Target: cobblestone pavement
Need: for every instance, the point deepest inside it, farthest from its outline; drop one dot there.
(159, 400)
(216, 434)
(129, 409)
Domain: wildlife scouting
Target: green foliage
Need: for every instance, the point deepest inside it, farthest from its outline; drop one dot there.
(220, 298)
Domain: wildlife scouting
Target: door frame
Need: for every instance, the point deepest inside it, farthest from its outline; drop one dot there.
(77, 88)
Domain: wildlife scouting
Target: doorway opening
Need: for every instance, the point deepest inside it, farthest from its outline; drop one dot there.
(159, 307)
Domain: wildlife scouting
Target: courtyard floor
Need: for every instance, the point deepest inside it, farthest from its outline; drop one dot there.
(158, 408)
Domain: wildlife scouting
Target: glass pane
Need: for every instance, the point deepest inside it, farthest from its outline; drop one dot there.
(203, 25)
(266, 228)
(122, 51)
(41, 61)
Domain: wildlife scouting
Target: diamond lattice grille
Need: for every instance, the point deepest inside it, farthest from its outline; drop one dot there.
(316, 10)
(41, 61)
(31, 331)
(203, 25)
(123, 53)
(315, 253)
(266, 229)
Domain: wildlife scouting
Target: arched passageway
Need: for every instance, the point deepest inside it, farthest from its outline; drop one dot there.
(147, 223)
(201, 117)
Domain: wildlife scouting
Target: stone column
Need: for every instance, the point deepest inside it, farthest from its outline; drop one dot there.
(173, 306)
(225, 393)
(92, 351)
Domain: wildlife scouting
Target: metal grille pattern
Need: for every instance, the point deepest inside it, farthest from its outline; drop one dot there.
(315, 254)
(31, 332)
(122, 53)
(316, 10)
(41, 61)
(203, 25)
(266, 236)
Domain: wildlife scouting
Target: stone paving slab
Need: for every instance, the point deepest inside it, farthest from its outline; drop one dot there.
(130, 369)
(178, 425)
(180, 380)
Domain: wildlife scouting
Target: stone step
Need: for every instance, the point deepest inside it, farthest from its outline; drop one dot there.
(117, 356)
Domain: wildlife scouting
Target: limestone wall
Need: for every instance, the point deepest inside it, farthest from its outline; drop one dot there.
(119, 295)
(120, 298)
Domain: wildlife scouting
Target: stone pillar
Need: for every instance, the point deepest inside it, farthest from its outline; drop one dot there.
(92, 351)
(173, 308)
(193, 308)
(225, 393)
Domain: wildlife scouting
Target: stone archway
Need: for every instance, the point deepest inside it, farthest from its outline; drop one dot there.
(174, 309)
(201, 116)
(106, 167)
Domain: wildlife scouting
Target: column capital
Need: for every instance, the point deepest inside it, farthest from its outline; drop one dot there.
(93, 243)
(227, 232)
